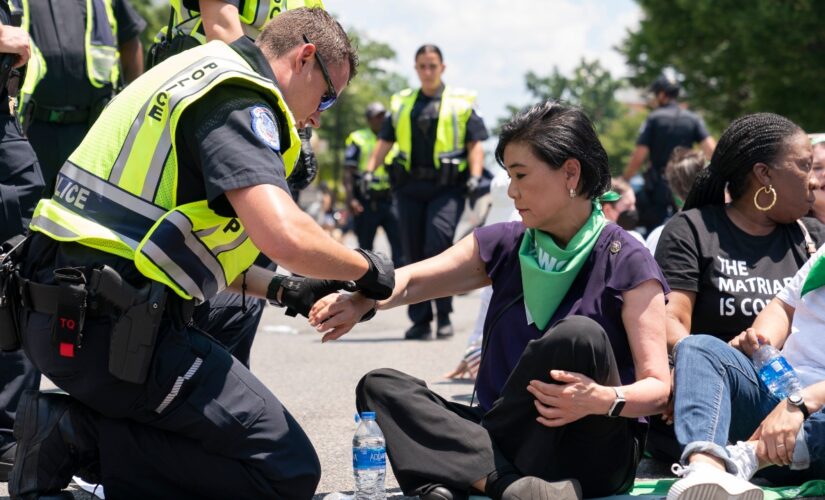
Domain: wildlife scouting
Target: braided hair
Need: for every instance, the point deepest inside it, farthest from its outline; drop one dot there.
(556, 132)
(751, 139)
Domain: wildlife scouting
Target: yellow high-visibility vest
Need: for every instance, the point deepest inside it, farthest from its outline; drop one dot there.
(102, 55)
(455, 110)
(254, 14)
(366, 140)
(117, 192)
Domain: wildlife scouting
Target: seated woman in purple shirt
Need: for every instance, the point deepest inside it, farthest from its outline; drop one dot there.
(574, 345)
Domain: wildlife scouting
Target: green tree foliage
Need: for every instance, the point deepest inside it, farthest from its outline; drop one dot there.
(593, 88)
(737, 57)
(373, 83)
(156, 15)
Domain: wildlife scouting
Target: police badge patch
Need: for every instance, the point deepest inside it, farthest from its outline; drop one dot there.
(264, 126)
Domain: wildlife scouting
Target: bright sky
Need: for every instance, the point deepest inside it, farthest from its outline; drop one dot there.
(489, 45)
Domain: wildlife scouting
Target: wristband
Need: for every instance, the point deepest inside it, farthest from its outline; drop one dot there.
(618, 403)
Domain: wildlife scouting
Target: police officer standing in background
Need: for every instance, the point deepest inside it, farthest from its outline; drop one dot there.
(166, 202)
(438, 159)
(83, 44)
(20, 187)
(667, 126)
(369, 197)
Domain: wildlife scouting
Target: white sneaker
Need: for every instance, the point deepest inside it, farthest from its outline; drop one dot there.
(702, 481)
(743, 454)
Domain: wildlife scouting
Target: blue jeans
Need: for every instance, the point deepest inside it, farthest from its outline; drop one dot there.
(719, 399)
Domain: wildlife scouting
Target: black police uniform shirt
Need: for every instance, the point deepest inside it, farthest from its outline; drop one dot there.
(424, 121)
(220, 148)
(734, 274)
(58, 27)
(669, 126)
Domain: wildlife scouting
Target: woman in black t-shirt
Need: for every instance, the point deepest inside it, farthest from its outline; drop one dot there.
(724, 262)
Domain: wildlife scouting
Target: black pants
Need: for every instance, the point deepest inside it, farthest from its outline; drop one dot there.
(432, 441)
(223, 318)
(21, 185)
(377, 213)
(427, 217)
(201, 426)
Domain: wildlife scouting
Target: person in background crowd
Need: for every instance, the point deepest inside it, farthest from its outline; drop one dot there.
(76, 72)
(437, 160)
(573, 340)
(368, 196)
(818, 144)
(669, 125)
(619, 206)
(682, 168)
(720, 399)
(725, 262)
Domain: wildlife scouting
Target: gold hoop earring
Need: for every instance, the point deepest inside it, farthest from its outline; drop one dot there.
(768, 190)
(572, 193)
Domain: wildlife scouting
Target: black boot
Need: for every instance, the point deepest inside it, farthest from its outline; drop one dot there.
(56, 437)
(419, 331)
(444, 329)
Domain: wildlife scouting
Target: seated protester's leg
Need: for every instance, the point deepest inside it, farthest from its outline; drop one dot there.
(197, 392)
(223, 317)
(430, 441)
(601, 452)
(718, 397)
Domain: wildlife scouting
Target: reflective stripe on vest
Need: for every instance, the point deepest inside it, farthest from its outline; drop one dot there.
(454, 111)
(101, 44)
(254, 14)
(117, 193)
(366, 140)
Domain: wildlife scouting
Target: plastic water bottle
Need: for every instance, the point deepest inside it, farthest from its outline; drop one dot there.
(775, 372)
(369, 459)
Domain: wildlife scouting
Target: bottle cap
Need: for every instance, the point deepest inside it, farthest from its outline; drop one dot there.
(367, 415)
(357, 418)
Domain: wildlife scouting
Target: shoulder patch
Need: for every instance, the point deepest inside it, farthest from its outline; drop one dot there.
(265, 127)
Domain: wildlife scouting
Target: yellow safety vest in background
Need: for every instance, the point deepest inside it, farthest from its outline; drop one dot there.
(366, 139)
(451, 132)
(102, 55)
(117, 192)
(254, 15)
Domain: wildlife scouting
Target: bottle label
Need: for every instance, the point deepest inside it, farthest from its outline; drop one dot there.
(369, 458)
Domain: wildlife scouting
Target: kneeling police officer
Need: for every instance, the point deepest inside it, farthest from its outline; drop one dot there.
(167, 201)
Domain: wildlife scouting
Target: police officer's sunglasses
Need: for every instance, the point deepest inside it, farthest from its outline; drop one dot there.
(328, 99)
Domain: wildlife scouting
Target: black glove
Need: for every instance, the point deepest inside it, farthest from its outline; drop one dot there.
(473, 189)
(307, 167)
(299, 293)
(379, 280)
(365, 184)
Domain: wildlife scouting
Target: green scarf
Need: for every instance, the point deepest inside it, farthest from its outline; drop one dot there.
(816, 276)
(547, 271)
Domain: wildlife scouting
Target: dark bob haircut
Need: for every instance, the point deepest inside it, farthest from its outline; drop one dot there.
(555, 133)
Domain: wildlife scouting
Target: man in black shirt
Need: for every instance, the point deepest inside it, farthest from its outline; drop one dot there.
(65, 101)
(667, 126)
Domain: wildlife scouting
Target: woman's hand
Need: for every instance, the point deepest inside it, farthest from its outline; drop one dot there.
(336, 314)
(749, 341)
(577, 396)
(777, 434)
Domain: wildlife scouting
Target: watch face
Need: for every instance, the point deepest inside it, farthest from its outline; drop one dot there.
(795, 399)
